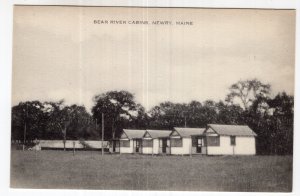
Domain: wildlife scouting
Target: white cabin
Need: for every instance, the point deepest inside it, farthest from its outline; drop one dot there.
(185, 141)
(131, 141)
(229, 140)
(156, 142)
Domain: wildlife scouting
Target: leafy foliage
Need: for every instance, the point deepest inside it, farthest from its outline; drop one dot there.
(29, 116)
(119, 109)
(72, 119)
(50, 120)
(247, 91)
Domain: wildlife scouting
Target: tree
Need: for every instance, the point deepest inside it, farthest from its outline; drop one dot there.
(229, 114)
(82, 124)
(209, 112)
(282, 107)
(66, 118)
(247, 91)
(117, 106)
(273, 124)
(194, 114)
(141, 120)
(168, 115)
(28, 121)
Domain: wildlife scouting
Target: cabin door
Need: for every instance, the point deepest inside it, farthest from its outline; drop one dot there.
(199, 145)
(115, 145)
(164, 145)
(138, 146)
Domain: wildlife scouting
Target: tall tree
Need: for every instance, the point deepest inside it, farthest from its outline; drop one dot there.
(117, 106)
(282, 106)
(65, 118)
(28, 120)
(141, 119)
(82, 124)
(245, 92)
(273, 124)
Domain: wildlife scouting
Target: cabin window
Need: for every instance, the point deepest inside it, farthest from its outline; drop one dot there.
(194, 142)
(232, 140)
(199, 141)
(176, 142)
(213, 141)
(147, 143)
(124, 143)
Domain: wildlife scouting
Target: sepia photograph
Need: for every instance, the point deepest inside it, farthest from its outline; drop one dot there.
(152, 99)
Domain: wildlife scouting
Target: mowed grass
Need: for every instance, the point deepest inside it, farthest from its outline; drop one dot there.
(89, 170)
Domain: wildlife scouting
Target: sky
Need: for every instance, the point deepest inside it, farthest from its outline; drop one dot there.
(60, 53)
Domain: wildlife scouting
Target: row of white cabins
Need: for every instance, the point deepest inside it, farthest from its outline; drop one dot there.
(212, 140)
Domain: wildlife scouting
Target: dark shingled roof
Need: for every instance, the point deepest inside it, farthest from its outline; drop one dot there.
(159, 133)
(134, 133)
(234, 130)
(187, 132)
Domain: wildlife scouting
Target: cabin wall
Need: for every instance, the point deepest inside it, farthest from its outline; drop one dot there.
(244, 146)
(185, 149)
(127, 149)
(223, 149)
(156, 146)
(147, 150)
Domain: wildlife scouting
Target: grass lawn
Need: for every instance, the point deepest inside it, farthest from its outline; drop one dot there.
(89, 170)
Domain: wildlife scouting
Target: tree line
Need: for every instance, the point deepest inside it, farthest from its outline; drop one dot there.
(247, 103)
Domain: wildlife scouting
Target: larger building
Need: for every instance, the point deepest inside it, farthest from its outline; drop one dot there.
(229, 140)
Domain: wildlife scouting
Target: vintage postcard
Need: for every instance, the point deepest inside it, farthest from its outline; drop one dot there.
(136, 98)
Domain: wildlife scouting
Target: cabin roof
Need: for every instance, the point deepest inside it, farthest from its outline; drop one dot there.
(134, 133)
(158, 133)
(187, 132)
(233, 130)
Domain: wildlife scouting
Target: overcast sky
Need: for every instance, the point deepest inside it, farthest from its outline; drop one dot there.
(59, 53)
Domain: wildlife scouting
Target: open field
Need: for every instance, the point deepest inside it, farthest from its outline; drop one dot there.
(89, 170)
